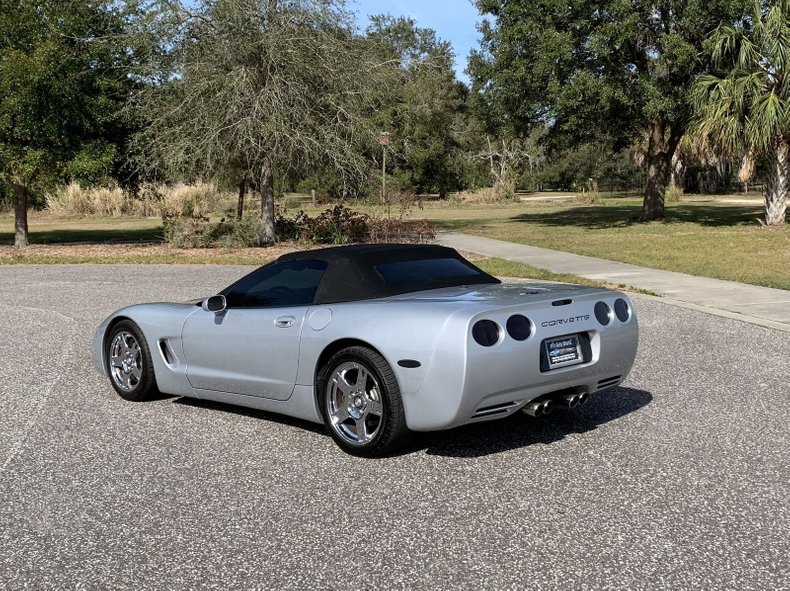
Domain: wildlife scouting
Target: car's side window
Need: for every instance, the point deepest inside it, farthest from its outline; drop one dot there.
(291, 283)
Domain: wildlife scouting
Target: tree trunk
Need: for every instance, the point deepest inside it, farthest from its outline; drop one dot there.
(242, 192)
(266, 234)
(659, 169)
(778, 183)
(20, 215)
(678, 175)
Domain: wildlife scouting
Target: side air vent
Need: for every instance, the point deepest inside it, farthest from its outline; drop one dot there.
(606, 383)
(561, 302)
(167, 355)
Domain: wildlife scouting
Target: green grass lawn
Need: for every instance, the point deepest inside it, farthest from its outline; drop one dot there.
(711, 239)
(699, 236)
(45, 228)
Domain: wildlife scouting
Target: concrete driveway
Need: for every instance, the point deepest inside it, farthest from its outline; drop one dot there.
(678, 479)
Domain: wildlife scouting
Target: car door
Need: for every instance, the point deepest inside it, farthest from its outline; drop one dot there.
(252, 347)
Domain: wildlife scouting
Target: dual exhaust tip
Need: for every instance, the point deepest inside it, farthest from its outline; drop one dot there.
(544, 406)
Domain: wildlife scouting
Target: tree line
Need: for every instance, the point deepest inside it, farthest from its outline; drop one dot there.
(273, 95)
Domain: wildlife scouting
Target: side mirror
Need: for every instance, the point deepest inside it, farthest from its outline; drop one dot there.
(216, 304)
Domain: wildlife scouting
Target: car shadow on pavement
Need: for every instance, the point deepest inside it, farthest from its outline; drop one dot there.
(520, 430)
(251, 412)
(487, 438)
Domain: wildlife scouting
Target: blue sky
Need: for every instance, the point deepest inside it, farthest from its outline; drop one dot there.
(453, 21)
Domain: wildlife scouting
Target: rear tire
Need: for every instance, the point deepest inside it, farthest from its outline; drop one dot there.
(129, 363)
(361, 404)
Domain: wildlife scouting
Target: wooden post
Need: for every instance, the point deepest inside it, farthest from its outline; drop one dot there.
(384, 140)
(312, 196)
(384, 174)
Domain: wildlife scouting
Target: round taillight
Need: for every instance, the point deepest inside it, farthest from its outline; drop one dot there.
(603, 313)
(485, 332)
(622, 310)
(519, 327)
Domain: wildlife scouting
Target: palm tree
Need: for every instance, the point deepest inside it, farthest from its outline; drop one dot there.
(747, 110)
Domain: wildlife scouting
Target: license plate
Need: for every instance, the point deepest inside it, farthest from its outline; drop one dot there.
(563, 351)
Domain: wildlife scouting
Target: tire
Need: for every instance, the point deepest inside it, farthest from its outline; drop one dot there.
(129, 363)
(352, 401)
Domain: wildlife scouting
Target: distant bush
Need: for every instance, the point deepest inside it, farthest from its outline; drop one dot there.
(487, 195)
(337, 225)
(341, 225)
(673, 194)
(235, 233)
(191, 232)
(188, 232)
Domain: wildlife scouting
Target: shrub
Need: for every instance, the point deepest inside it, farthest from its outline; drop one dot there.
(488, 195)
(201, 233)
(235, 233)
(673, 194)
(341, 225)
(337, 225)
(187, 232)
(289, 228)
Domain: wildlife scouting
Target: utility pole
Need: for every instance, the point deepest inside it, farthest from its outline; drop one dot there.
(384, 140)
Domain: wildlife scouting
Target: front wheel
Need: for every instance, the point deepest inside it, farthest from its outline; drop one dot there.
(129, 363)
(361, 404)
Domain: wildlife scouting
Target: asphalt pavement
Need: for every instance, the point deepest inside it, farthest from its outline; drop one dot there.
(678, 479)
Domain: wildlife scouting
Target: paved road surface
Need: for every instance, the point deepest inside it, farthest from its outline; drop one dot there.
(678, 479)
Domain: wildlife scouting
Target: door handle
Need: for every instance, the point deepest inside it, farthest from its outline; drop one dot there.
(284, 321)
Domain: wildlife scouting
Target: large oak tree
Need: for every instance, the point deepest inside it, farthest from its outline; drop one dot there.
(605, 69)
(63, 81)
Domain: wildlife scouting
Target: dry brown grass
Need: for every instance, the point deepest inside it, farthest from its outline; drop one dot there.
(485, 195)
(182, 200)
(74, 200)
(179, 200)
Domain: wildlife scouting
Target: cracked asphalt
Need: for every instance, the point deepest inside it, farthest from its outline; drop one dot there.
(679, 479)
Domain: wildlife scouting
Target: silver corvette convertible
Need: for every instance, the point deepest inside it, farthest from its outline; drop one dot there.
(376, 341)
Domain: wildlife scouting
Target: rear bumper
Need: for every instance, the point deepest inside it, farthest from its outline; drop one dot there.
(471, 407)
(491, 383)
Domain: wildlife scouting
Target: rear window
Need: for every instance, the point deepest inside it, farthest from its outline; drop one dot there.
(424, 270)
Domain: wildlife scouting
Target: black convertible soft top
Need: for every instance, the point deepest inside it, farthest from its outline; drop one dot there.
(369, 271)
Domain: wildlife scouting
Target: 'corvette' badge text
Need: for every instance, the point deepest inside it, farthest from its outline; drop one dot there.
(564, 320)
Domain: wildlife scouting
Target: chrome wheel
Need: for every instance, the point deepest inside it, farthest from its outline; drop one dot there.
(126, 361)
(354, 403)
